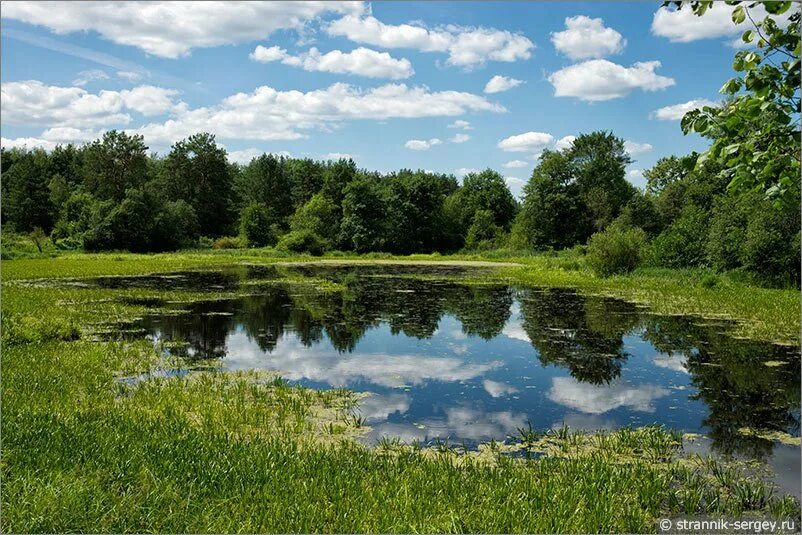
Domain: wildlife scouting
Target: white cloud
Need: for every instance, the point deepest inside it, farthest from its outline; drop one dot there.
(526, 142)
(460, 138)
(27, 143)
(462, 125)
(496, 389)
(675, 362)
(564, 142)
(466, 46)
(269, 114)
(362, 61)
(515, 164)
(635, 177)
(422, 144)
(587, 38)
(462, 171)
(173, 29)
(130, 76)
(85, 77)
(32, 103)
(515, 185)
(634, 148)
(497, 84)
(149, 100)
(378, 407)
(337, 156)
(244, 156)
(675, 112)
(683, 26)
(598, 399)
(599, 79)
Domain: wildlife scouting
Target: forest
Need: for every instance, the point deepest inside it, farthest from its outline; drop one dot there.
(112, 195)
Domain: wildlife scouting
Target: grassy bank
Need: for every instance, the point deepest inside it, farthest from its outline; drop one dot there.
(760, 313)
(224, 452)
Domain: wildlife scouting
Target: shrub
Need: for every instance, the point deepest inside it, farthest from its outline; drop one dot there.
(683, 243)
(228, 242)
(616, 250)
(483, 232)
(303, 241)
(255, 226)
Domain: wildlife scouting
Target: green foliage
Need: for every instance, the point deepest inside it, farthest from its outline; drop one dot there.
(615, 251)
(667, 171)
(415, 212)
(26, 199)
(483, 232)
(641, 212)
(256, 225)
(755, 133)
(362, 227)
(483, 191)
(265, 181)
(114, 164)
(303, 241)
(228, 242)
(196, 171)
(574, 192)
(682, 243)
(318, 215)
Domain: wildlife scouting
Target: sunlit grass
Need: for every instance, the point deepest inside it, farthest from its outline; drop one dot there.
(223, 452)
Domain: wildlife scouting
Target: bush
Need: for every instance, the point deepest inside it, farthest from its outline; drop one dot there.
(683, 243)
(483, 232)
(228, 242)
(616, 250)
(303, 241)
(255, 226)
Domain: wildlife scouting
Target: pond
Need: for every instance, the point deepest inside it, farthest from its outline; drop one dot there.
(446, 359)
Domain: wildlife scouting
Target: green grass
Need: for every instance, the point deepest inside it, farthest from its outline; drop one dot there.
(759, 313)
(225, 452)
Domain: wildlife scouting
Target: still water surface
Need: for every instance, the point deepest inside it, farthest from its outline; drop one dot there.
(467, 363)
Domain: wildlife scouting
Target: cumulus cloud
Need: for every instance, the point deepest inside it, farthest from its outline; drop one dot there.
(497, 84)
(675, 112)
(466, 46)
(173, 29)
(515, 164)
(460, 138)
(422, 144)
(515, 185)
(497, 389)
(635, 177)
(672, 361)
(564, 142)
(27, 143)
(337, 156)
(682, 26)
(462, 125)
(598, 399)
(32, 103)
(244, 156)
(362, 62)
(599, 79)
(586, 38)
(462, 171)
(269, 114)
(526, 142)
(634, 148)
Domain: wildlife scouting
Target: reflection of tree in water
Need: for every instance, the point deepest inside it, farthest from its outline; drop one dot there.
(482, 310)
(203, 328)
(732, 379)
(584, 334)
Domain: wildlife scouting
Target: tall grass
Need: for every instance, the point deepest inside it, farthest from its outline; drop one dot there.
(225, 452)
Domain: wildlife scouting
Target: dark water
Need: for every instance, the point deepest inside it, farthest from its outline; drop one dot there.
(471, 363)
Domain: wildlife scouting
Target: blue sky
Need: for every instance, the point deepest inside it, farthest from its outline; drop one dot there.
(385, 83)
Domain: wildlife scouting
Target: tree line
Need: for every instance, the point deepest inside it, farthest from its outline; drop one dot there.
(111, 194)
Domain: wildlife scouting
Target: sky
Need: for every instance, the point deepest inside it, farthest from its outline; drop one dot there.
(444, 86)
